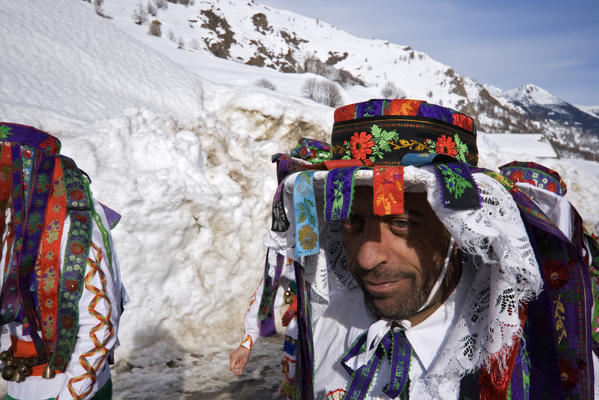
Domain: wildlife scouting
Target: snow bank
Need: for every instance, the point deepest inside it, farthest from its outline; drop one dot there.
(62, 63)
(184, 159)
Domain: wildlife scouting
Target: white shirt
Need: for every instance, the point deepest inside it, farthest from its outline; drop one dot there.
(337, 330)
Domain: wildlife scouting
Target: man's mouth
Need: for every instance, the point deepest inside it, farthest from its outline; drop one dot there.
(384, 287)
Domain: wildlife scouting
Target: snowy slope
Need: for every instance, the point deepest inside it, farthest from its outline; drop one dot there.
(179, 142)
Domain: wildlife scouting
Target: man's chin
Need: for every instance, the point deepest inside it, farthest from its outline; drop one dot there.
(395, 308)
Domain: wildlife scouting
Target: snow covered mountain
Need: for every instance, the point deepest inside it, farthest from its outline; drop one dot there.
(179, 142)
(251, 33)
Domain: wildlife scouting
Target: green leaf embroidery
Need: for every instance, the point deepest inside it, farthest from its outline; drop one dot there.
(455, 183)
(461, 147)
(382, 140)
(5, 131)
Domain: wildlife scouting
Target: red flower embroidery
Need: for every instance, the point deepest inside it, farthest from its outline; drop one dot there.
(446, 145)
(76, 194)
(518, 176)
(556, 274)
(361, 145)
(568, 374)
(50, 145)
(77, 248)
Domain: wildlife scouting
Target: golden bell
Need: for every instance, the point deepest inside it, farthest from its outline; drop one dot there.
(7, 373)
(18, 377)
(49, 372)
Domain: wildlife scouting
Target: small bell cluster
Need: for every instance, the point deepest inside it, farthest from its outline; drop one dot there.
(17, 369)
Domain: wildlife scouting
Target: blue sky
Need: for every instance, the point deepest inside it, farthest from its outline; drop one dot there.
(509, 43)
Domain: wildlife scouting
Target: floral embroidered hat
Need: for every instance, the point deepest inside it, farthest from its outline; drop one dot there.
(385, 131)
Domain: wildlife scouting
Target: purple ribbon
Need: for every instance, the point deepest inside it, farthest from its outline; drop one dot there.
(397, 348)
(339, 193)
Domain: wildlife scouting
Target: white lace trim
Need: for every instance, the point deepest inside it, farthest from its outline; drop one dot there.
(495, 240)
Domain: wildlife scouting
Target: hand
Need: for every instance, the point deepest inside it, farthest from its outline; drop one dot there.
(238, 359)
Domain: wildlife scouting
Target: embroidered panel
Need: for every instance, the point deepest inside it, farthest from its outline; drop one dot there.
(30, 136)
(458, 189)
(306, 217)
(403, 107)
(40, 179)
(536, 175)
(338, 195)
(388, 190)
(75, 262)
(312, 150)
(269, 291)
(563, 308)
(48, 261)
(389, 140)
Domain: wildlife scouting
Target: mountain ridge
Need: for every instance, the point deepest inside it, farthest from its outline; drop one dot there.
(255, 34)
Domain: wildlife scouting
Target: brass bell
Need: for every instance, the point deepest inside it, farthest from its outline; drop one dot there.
(49, 372)
(24, 370)
(7, 373)
(18, 377)
(5, 356)
(288, 297)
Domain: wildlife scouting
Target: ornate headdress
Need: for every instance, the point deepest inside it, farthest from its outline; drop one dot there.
(409, 145)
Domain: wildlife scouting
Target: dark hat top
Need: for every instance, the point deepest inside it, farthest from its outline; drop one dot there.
(384, 131)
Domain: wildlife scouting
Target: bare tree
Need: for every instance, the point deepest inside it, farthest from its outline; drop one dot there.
(266, 84)
(323, 91)
(140, 14)
(390, 91)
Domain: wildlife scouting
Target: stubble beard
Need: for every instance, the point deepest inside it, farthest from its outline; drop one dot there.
(401, 304)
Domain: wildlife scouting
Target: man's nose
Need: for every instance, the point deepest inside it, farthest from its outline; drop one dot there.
(371, 250)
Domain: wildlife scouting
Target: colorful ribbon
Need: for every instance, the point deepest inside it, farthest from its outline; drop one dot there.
(306, 217)
(338, 195)
(388, 190)
(396, 347)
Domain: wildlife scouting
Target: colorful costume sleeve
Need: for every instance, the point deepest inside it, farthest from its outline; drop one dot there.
(100, 307)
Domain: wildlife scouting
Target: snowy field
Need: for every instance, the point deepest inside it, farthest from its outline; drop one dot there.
(180, 143)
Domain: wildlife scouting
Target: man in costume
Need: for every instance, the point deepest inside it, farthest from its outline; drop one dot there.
(421, 275)
(62, 295)
(277, 286)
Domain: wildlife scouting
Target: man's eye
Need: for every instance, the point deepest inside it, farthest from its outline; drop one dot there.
(399, 224)
(352, 224)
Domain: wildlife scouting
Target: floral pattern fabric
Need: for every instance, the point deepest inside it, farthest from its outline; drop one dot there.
(536, 175)
(306, 217)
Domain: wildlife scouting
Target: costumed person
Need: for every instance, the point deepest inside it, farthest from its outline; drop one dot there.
(62, 295)
(421, 275)
(277, 286)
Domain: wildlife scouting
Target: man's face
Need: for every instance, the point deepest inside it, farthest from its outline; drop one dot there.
(397, 258)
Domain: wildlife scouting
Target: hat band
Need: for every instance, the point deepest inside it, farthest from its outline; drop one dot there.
(386, 140)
